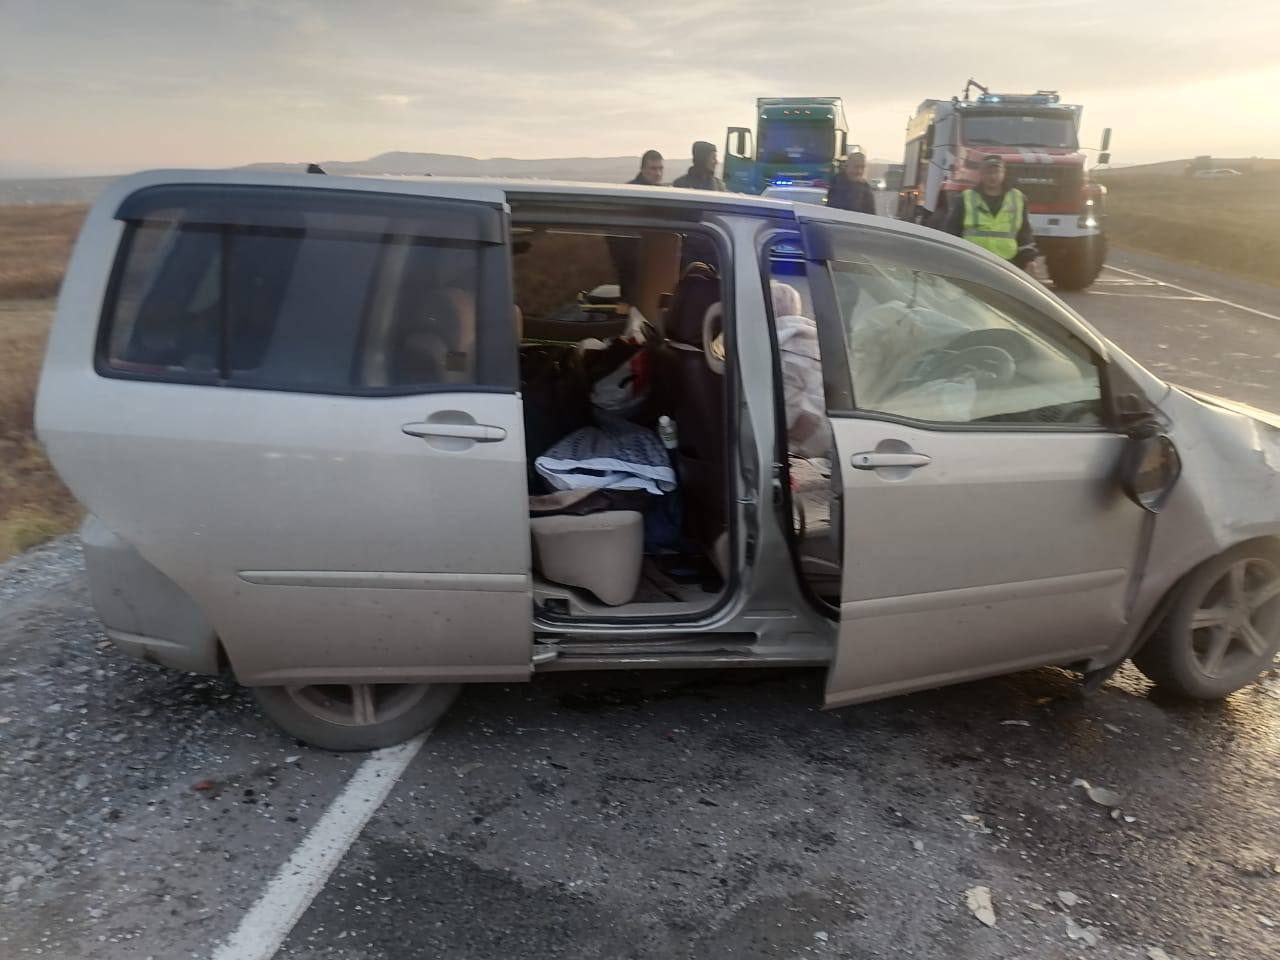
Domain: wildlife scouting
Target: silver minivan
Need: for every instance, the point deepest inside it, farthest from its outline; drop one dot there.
(362, 440)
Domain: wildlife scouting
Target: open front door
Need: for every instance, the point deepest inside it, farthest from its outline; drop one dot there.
(739, 161)
(984, 526)
(305, 400)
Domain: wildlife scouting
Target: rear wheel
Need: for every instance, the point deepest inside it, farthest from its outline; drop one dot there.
(356, 716)
(1223, 629)
(1075, 264)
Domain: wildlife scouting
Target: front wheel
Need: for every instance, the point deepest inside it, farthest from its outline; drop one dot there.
(1222, 630)
(356, 716)
(1075, 264)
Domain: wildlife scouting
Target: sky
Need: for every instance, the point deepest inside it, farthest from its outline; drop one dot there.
(96, 87)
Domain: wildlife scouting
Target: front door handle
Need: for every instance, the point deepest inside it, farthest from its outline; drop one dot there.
(874, 460)
(477, 432)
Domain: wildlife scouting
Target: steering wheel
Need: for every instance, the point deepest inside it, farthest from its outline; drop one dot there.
(988, 366)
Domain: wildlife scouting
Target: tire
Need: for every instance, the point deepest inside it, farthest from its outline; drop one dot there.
(1075, 264)
(346, 716)
(1223, 628)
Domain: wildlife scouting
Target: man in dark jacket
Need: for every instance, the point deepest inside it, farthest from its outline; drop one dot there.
(850, 190)
(651, 169)
(624, 250)
(702, 175)
(994, 216)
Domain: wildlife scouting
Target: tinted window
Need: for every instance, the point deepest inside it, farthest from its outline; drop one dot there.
(790, 141)
(309, 302)
(935, 348)
(1015, 130)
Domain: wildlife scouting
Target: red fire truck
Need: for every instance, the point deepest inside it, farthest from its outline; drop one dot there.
(1038, 137)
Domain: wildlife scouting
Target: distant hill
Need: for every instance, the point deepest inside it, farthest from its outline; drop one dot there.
(592, 169)
(53, 190)
(595, 169)
(1178, 168)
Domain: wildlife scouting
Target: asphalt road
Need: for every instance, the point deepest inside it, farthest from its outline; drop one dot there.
(145, 813)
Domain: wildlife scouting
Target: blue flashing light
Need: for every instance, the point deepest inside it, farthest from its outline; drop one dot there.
(782, 182)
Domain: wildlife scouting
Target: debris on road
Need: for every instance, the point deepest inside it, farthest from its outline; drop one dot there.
(917, 846)
(1067, 898)
(466, 768)
(1103, 796)
(1155, 953)
(821, 935)
(1089, 936)
(204, 785)
(1015, 723)
(978, 900)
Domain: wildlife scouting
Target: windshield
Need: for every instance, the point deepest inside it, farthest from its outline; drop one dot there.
(789, 141)
(1020, 130)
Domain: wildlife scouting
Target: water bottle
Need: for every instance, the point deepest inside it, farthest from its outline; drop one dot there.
(667, 432)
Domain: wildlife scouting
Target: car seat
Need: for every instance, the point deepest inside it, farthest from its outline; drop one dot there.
(599, 552)
(690, 390)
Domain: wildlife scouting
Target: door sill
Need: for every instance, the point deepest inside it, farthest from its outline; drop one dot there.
(673, 653)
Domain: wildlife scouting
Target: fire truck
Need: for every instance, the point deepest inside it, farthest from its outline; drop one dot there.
(799, 142)
(1037, 135)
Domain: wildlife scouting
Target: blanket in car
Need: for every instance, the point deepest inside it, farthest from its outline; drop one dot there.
(617, 455)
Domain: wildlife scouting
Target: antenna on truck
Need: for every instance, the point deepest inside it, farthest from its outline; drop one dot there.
(973, 83)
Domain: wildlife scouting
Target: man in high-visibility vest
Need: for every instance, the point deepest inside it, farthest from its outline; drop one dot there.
(994, 216)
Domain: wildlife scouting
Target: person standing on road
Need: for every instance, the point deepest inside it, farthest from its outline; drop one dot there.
(651, 169)
(850, 190)
(702, 175)
(623, 250)
(994, 217)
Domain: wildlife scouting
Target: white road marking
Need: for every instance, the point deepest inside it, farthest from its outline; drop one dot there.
(269, 921)
(1197, 293)
(1151, 296)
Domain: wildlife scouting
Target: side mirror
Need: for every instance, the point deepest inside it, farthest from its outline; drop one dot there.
(1103, 158)
(1149, 469)
(1106, 140)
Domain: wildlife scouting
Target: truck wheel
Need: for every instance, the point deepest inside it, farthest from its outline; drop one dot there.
(356, 716)
(1074, 265)
(1222, 630)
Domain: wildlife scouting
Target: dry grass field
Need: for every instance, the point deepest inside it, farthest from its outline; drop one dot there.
(34, 244)
(1231, 224)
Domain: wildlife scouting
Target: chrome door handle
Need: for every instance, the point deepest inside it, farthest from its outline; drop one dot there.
(477, 432)
(874, 461)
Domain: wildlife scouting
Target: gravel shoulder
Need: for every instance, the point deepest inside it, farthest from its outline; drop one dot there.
(140, 809)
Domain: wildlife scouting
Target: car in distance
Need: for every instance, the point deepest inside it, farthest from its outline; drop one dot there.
(332, 438)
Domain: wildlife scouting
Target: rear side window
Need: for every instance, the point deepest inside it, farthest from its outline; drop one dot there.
(311, 291)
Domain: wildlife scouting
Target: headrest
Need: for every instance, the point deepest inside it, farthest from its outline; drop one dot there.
(697, 290)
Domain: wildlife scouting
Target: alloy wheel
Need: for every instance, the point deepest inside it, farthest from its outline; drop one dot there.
(358, 704)
(1236, 623)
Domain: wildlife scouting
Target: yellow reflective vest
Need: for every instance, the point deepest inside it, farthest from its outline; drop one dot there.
(995, 232)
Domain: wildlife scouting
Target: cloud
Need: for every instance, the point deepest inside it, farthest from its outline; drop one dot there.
(247, 79)
(395, 99)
